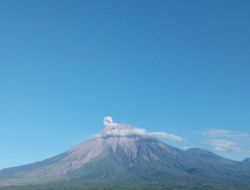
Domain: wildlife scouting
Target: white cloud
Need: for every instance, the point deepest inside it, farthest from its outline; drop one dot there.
(225, 140)
(143, 132)
(126, 130)
(188, 147)
(165, 135)
(222, 145)
(221, 133)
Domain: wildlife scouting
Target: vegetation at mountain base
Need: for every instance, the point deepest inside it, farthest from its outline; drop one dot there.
(98, 185)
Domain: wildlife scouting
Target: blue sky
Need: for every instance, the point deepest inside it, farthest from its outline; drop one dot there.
(180, 67)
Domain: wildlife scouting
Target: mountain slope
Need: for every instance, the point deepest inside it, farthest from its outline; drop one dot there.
(121, 152)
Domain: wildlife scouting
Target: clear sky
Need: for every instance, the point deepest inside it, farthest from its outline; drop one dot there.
(180, 67)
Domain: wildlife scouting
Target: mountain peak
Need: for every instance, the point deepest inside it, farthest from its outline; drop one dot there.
(116, 129)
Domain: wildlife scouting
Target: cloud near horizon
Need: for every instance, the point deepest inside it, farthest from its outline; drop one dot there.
(224, 140)
(222, 145)
(221, 133)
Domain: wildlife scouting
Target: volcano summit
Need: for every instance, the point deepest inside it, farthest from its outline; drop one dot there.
(121, 154)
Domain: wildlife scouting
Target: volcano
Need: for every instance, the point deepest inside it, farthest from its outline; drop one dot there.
(122, 153)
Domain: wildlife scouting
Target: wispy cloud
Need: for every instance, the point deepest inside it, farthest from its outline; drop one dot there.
(222, 145)
(165, 135)
(225, 140)
(221, 133)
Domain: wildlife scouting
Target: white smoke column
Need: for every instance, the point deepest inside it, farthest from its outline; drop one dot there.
(108, 122)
